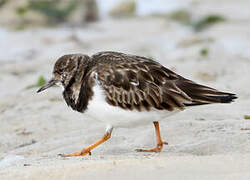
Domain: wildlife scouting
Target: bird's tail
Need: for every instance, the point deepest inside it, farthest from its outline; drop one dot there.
(204, 95)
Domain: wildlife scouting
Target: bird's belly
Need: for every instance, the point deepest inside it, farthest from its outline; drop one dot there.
(100, 110)
(125, 118)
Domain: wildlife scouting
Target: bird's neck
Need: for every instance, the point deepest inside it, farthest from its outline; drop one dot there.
(78, 92)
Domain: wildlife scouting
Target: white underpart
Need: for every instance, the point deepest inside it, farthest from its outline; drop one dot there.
(59, 83)
(115, 116)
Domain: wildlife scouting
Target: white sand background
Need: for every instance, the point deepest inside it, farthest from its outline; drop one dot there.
(208, 142)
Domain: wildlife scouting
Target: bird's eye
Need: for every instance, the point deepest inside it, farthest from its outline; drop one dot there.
(60, 70)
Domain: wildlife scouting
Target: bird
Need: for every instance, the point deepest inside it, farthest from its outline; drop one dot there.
(126, 90)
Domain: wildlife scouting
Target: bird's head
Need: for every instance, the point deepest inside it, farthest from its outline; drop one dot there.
(66, 70)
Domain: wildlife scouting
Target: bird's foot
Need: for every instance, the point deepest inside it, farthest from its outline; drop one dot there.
(79, 153)
(158, 148)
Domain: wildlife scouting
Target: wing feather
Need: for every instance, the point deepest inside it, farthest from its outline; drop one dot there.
(134, 82)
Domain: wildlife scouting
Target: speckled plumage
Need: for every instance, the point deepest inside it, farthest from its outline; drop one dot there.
(130, 82)
(126, 89)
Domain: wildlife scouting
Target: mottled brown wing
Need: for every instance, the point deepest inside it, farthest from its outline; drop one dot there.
(133, 82)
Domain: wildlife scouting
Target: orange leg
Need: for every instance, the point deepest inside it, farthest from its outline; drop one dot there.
(160, 143)
(88, 149)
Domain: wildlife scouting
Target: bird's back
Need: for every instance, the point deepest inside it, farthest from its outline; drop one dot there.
(138, 83)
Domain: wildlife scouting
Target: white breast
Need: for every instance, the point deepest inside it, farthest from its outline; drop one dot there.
(99, 109)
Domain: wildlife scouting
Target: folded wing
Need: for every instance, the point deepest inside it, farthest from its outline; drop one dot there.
(134, 82)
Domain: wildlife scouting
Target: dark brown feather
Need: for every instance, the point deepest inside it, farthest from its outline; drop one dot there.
(134, 82)
(130, 82)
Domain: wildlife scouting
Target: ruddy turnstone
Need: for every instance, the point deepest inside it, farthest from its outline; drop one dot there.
(124, 90)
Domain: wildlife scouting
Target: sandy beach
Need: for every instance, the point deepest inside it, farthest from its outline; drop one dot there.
(206, 142)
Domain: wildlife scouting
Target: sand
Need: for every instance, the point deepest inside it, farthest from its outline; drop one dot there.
(208, 142)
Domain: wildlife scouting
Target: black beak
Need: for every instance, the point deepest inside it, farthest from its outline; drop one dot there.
(52, 82)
